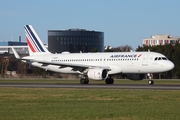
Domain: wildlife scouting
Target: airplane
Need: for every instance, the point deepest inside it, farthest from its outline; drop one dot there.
(96, 66)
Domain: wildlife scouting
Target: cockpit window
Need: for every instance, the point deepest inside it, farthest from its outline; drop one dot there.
(160, 58)
(164, 58)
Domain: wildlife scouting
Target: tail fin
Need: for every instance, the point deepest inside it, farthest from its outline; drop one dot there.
(35, 45)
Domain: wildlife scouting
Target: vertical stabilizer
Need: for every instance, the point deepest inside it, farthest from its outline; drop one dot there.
(35, 45)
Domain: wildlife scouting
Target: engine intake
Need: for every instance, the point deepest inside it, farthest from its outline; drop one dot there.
(97, 74)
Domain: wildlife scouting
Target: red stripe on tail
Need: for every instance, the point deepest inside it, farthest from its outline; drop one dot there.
(30, 45)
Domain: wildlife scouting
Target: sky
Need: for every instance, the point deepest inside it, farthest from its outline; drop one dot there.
(124, 22)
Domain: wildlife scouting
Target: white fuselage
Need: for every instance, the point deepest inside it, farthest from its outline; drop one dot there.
(117, 62)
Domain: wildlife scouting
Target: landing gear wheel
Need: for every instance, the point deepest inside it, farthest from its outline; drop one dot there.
(109, 81)
(151, 82)
(87, 80)
(84, 80)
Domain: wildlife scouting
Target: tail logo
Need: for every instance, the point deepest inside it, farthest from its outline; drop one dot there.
(33, 39)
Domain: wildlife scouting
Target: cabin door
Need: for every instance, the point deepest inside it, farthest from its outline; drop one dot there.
(145, 60)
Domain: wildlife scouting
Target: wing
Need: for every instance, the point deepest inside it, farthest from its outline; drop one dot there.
(75, 67)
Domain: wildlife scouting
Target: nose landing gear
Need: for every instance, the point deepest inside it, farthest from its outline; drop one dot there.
(150, 82)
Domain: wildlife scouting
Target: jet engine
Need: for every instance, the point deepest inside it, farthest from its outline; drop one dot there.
(97, 74)
(135, 76)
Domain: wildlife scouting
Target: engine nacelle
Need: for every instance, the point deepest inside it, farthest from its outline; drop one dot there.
(97, 74)
(135, 76)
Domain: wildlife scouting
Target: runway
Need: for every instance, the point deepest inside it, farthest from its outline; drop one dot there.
(88, 86)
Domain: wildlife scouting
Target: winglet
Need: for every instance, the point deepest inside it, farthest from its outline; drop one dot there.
(15, 53)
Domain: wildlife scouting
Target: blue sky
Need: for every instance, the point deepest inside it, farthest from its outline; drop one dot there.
(124, 22)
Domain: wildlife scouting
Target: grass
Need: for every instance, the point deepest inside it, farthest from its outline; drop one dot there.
(72, 104)
(80, 104)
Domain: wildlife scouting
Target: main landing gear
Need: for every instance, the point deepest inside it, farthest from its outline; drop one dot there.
(108, 80)
(150, 82)
(84, 80)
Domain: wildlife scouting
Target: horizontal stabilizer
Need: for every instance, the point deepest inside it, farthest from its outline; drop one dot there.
(15, 53)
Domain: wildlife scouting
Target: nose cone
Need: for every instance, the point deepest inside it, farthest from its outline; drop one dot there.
(170, 65)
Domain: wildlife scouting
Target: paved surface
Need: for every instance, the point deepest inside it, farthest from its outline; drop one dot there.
(114, 86)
